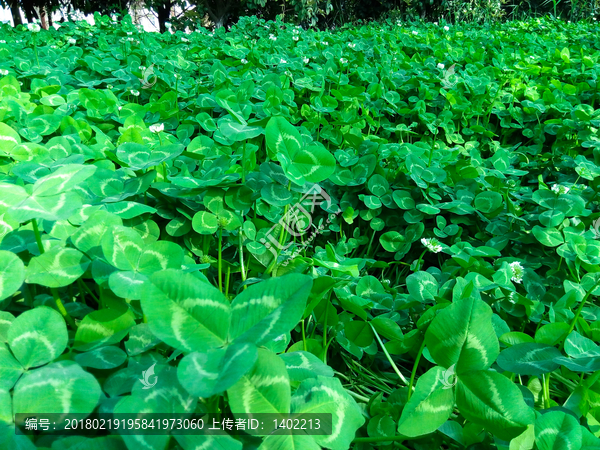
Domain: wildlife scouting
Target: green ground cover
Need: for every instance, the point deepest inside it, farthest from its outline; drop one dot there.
(396, 225)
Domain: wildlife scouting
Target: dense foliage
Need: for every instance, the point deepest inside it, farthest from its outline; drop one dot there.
(156, 210)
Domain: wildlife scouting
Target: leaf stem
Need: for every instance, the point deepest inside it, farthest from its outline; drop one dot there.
(357, 396)
(592, 379)
(220, 259)
(227, 281)
(282, 237)
(370, 243)
(414, 370)
(580, 308)
(546, 379)
(38, 237)
(243, 269)
(325, 328)
(389, 358)
(303, 336)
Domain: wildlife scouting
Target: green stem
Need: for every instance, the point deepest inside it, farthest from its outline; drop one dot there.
(358, 396)
(370, 242)
(242, 268)
(414, 370)
(227, 281)
(580, 308)
(592, 379)
(568, 383)
(325, 328)
(61, 308)
(303, 336)
(389, 358)
(83, 287)
(546, 379)
(38, 237)
(420, 259)
(282, 237)
(220, 259)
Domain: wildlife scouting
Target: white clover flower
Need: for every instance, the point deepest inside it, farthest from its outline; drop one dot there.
(134, 92)
(184, 40)
(142, 68)
(415, 32)
(325, 43)
(109, 86)
(343, 61)
(517, 271)
(306, 60)
(120, 108)
(440, 66)
(351, 45)
(435, 23)
(72, 41)
(157, 127)
(282, 61)
(446, 28)
(2, 42)
(272, 37)
(3, 72)
(559, 189)
(33, 27)
(168, 25)
(129, 33)
(296, 38)
(433, 245)
(244, 61)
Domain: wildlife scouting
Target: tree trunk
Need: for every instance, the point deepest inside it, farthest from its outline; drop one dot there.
(41, 12)
(219, 13)
(29, 12)
(16, 13)
(164, 14)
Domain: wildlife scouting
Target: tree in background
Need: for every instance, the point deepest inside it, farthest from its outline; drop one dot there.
(163, 9)
(102, 7)
(14, 6)
(309, 13)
